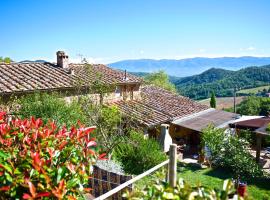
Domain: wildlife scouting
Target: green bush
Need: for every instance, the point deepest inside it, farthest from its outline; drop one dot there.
(138, 154)
(50, 106)
(230, 151)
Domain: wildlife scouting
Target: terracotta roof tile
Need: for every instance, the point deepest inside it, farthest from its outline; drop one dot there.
(159, 106)
(21, 77)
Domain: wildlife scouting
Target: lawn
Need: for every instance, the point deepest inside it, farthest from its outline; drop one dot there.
(253, 90)
(257, 189)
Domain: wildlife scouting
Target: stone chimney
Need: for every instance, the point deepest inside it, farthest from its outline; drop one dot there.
(62, 59)
(165, 139)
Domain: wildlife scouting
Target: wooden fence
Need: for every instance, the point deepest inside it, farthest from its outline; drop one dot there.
(171, 176)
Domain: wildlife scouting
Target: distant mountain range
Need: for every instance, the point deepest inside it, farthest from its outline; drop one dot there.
(32, 61)
(189, 66)
(219, 81)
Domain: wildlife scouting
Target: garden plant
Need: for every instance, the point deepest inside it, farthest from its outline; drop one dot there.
(44, 161)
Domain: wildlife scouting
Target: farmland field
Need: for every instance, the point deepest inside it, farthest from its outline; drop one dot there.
(223, 102)
(253, 90)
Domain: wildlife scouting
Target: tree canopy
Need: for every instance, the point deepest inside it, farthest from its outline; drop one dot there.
(5, 60)
(255, 106)
(160, 79)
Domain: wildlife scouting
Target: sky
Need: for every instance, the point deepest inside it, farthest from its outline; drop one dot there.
(105, 31)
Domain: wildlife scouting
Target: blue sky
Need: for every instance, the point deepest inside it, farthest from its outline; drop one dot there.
(104, 31)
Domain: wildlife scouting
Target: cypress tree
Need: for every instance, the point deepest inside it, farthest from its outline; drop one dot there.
(213, 103)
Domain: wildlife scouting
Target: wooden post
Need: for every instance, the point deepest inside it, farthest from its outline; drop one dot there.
(258, 147)
(234, 100)
(172, 165)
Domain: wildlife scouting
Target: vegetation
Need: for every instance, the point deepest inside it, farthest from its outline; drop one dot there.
(254, 106)
(39, 160)
(230, 152)
(160, 79)
(257, 188)
(213, 103)
(138, 154)
(111, 126)
(161, 190)
(51, 107)
(222, 81)
(5, 60)
(254, 91)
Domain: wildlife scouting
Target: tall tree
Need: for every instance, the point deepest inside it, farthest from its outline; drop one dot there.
(160, 79)
(213, 103)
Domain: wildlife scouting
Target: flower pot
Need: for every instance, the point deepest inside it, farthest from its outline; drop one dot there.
(242, 189)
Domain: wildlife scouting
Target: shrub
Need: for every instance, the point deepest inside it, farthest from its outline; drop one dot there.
(230, 151)
(138, 154)
(39, 160)
(110, 125)
(161, 190)
(50, 106)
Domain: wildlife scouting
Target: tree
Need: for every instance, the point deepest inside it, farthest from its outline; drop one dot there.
(213, 103)
(160, 79)
(110, 124)
(5, 60)
(255, 106)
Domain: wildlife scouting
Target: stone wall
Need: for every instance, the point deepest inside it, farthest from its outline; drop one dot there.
(104, 181)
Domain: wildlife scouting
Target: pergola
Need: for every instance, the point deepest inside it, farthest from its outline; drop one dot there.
(257, 126)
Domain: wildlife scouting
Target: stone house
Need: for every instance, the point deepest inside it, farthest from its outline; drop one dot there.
(66, 78)
(150, 106)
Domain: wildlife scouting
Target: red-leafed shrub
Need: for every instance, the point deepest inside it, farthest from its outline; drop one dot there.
(39, 160)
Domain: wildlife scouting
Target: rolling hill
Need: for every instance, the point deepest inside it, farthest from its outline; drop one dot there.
(222, 81)
(189, 66)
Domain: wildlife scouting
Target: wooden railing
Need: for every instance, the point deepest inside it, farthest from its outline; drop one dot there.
(171, 176)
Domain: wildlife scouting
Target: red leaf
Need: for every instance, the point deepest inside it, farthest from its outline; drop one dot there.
(91, 143)
(2, 115)
(4, 188)
(87, 189)
(43, 194)
(62, 145)
(36, 158)
(102, 156)
(26, 196)
(31, 188)
(89, 130)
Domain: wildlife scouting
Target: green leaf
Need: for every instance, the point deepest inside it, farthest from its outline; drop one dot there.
(4, 155)
(59, 174)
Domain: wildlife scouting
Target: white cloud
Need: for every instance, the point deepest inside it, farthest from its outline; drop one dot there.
(202, 50)
(251, 48)
(141, 51)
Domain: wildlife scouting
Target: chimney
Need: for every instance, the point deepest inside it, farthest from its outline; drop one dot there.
(165, 139)
(62, 59)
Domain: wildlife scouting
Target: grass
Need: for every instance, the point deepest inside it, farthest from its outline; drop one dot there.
(253, 90)
(257, 188)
